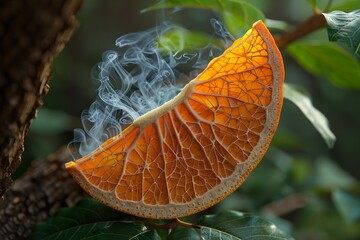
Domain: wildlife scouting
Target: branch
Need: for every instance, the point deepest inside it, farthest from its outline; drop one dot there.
(311, 24)
(286, 205)
(32, 34)
(43, 189)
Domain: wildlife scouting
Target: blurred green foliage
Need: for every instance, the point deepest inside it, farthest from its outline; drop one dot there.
(342, 68)
(91, 220)
(317, 188)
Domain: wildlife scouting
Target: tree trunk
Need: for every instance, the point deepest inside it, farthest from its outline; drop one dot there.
(32, 33)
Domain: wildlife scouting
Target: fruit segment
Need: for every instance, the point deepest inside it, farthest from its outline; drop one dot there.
(193, 151)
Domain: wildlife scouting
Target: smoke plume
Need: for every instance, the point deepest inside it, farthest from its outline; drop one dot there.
(140, 75)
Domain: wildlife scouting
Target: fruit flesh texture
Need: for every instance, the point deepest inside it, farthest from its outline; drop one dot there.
(175, 154)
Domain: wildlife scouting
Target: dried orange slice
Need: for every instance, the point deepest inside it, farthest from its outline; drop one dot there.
(196, 149)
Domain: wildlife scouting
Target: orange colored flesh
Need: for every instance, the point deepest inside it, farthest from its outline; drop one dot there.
(193, 151)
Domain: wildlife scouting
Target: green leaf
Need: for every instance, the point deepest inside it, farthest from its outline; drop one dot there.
(182, 40)
(91, 220)
(348, 205)
(344, 28)
(238, 15)
(329, 60)
(312, 3)
(346, 6)
(329, 175)
(235, 225)
(277, 25)
(296, 95)
(184, 233)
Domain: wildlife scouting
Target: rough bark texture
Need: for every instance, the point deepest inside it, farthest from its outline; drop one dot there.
(32, 33)
(45, 187)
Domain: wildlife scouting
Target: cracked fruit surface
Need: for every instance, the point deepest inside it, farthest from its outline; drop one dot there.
(196, 149)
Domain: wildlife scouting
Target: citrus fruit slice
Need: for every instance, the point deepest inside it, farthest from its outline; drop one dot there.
(197, 148)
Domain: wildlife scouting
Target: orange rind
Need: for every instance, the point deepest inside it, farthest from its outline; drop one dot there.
(197, 148)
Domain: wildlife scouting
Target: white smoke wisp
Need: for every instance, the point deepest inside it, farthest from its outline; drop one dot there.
(136, 78)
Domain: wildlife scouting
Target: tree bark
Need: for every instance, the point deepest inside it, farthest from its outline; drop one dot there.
(32, 33)
(43, 189)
